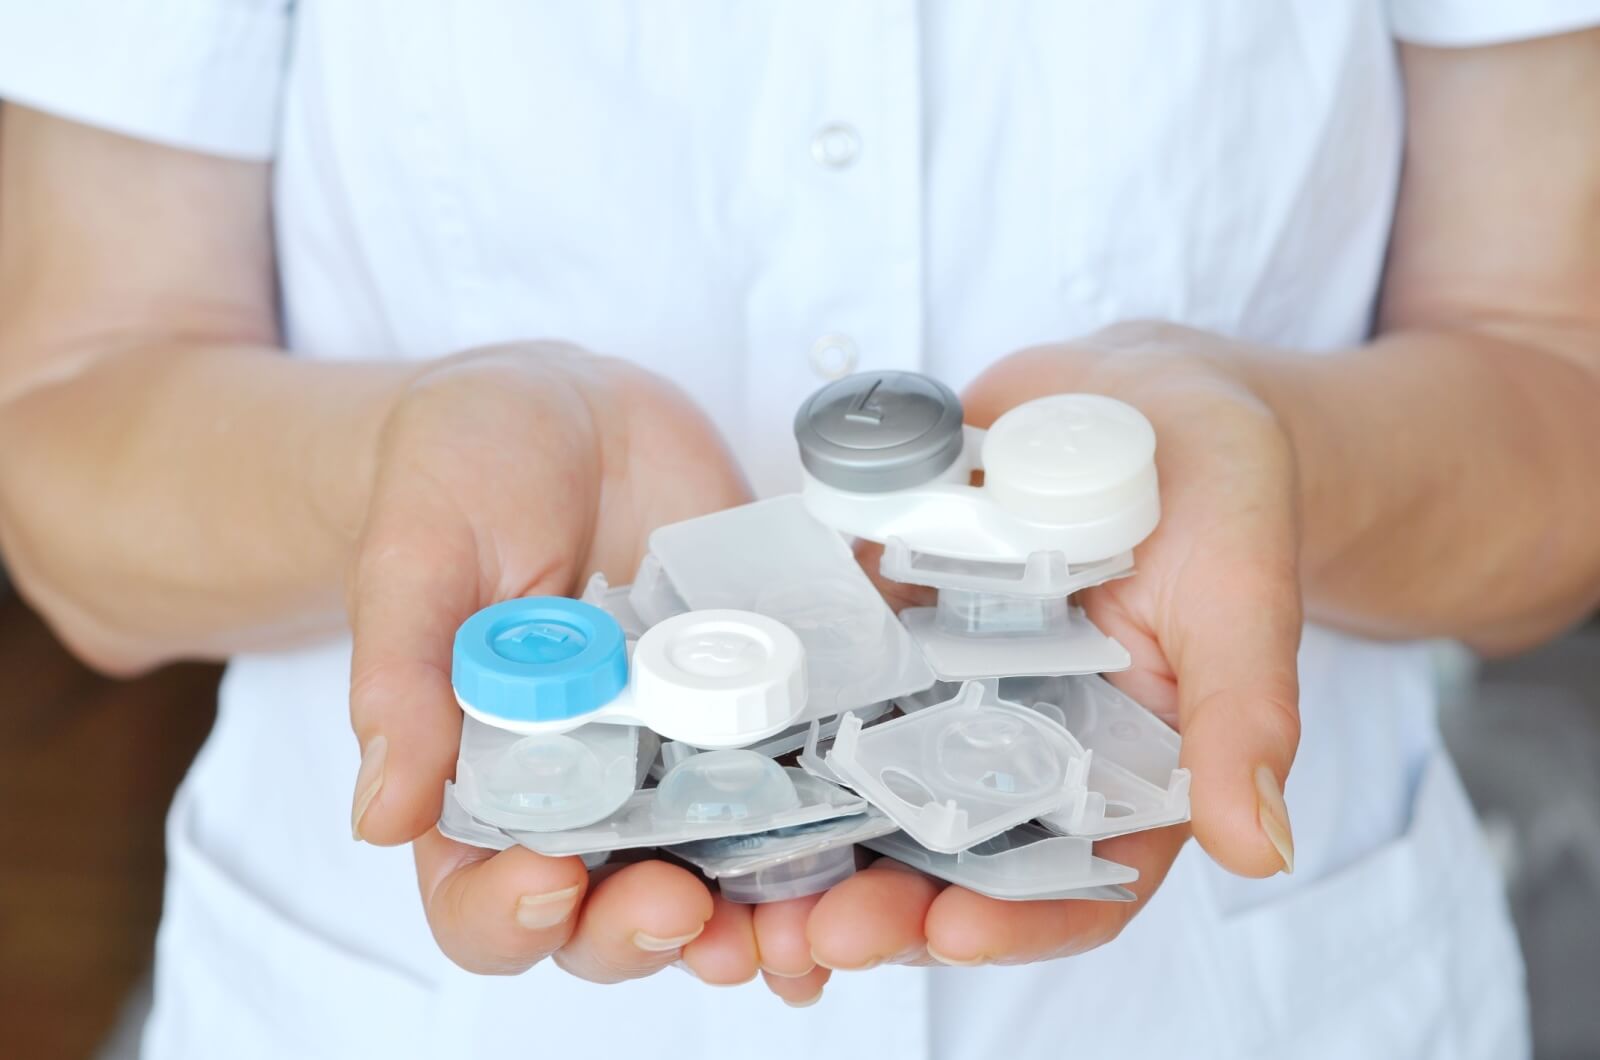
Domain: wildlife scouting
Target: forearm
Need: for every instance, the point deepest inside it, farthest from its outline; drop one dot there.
(189, 499)
(1447, 479)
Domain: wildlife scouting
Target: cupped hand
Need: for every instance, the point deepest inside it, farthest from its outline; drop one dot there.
(500, 473)
(1212, 619)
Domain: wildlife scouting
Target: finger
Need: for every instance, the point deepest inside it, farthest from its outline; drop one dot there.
(780, 929)
(413, 586)
(965, 928)
(725, 953)
(1234, 653)
(874, 917)
(636, 922)
(497, 913)
(801, 991)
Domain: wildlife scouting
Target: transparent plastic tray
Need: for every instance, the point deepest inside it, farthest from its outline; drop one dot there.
(1023, 864)
(457, 824)
(955, 774)
(705, 796)
(967, 637)
(1041, 574)
(1135, 782)
(773, 558)
(786, 863)
(743, 854)
(794, 738)
(548, 781)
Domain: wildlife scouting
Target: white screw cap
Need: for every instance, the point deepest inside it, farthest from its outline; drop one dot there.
(1072, 459)
(720, 678)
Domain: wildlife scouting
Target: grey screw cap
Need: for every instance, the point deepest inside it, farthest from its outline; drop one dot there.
(879, 431)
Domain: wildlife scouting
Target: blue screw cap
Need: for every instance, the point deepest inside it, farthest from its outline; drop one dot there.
(541, 658)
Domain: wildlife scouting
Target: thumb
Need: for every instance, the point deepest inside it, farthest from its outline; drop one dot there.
(408, 595)
(1234, 656)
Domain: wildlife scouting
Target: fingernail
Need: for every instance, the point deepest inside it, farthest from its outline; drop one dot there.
(807, 1003)
(658, 945)
(969, 962)
(845, 967)
(1274, 814)
(538, 911)
(369, 780)
(789, 975)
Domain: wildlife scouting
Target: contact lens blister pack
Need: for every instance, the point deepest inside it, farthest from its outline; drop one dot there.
(962, 771)
(706, 796)
(964, 739)
(1022, 864)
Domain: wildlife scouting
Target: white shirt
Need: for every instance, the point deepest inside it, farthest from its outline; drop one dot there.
(752, 198)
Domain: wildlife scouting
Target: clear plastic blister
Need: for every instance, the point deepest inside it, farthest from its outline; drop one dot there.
(457, 824)
(1041, 574)
(976, 635)
(547, 781)
(652, 596)
(774, 559)
(787, 862)
(955, 774)
(706, 796)
(794, 738)
(614, 602)
(1135, 782)
(1023, 864)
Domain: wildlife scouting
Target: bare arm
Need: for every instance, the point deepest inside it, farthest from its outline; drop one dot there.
(1443, 479)
(1450, 471)
(169, 484)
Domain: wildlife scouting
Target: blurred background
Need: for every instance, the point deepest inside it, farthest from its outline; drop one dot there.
(80, 893)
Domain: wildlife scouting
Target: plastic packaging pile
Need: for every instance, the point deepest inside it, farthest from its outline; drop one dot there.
(751, 706)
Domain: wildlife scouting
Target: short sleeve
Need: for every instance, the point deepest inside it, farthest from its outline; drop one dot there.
(1475, 23)
(205, 75)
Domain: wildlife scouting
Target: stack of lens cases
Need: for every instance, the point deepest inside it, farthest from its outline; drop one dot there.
(751, 706)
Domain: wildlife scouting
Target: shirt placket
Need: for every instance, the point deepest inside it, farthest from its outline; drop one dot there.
(840, 280)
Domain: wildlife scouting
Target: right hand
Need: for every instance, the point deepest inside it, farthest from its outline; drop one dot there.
(505, 472)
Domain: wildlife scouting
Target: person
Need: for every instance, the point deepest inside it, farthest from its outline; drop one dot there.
(516, 249)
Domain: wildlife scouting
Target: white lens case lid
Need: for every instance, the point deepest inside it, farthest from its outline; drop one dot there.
(1022, 864)
(705, 796)
(545, 781)
(1135, 782)
(1043, 574)
(774, 559)
(958, 773)
(719, 678)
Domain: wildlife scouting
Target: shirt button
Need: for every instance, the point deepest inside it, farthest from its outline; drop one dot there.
(835, 146)
(834, 356)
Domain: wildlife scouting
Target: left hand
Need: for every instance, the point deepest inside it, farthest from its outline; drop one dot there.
(1212, 619)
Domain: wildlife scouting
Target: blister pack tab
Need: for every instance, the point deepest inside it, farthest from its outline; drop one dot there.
(706, 796)
(1135, 782)
(774, 559)
(1041, 574)
(546, 781)
(955, 774)
(971, 635)
(1022, 864)
(457, 824)
(787, 862)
